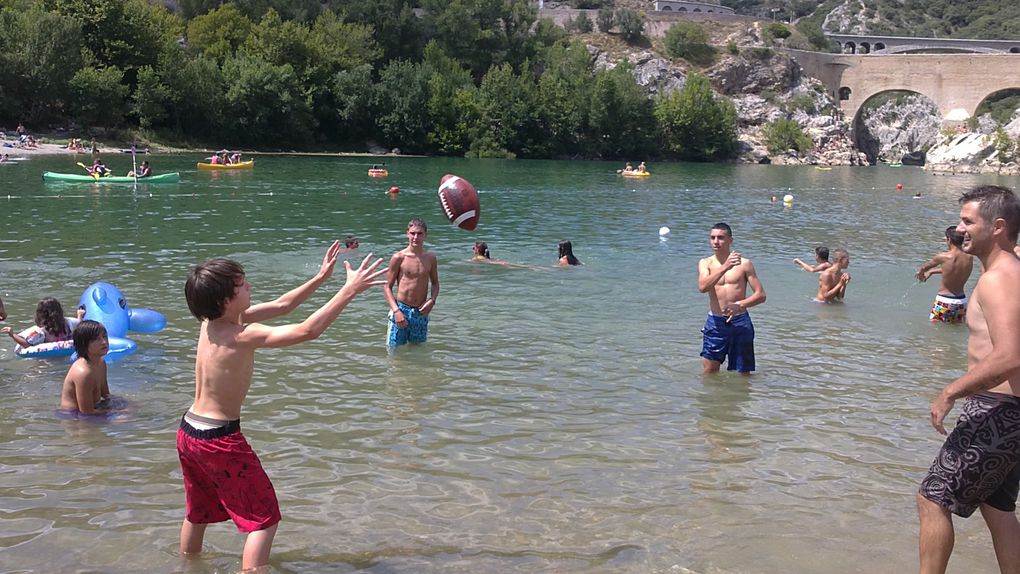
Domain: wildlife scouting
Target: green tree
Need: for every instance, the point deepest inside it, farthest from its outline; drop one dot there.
(689, 41)
(98, 96)
(266, 102)
(785, 134)
(606, 19)
(620, 117)
(509, 123)
(483, 33)
(351, 96)
(152, 99)
(219, 33)
(564, 99)
(632, 25)
(695, 124)
(1004, 150)
(39, 55)
(398, 98)
(453, 107)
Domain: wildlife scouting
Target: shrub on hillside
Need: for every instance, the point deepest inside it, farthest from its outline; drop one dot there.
(606, 20)
(631, 24)
(776, 31)
(689, 41)
(784, 134)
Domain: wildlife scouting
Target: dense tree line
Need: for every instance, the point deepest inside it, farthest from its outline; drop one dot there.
(482, 78)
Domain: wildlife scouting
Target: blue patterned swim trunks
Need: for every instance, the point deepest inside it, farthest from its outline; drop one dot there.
(416, 331)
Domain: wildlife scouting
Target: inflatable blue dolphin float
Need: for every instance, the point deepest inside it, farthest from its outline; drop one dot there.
(105, 303)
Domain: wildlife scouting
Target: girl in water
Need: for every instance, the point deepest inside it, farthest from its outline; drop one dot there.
(567, 254)
(50, 325)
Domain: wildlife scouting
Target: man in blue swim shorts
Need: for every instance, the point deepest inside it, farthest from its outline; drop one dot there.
(728, 332)
(413, 270)
(978, 466)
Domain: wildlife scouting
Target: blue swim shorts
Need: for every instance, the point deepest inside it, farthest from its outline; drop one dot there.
(416, 331)
(734, 340)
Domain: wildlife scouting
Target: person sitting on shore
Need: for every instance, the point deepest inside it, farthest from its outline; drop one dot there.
(144, 171)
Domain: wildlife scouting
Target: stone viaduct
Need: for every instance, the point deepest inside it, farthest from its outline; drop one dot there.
(856, 44)
(956, 83)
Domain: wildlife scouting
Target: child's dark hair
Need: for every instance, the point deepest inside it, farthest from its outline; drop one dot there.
(482, 249)
(210, 285)
(954, 236)
(50, 316)
(84, 334)
(822, 252)
(349, 241)
(418, 222)
(567, 250)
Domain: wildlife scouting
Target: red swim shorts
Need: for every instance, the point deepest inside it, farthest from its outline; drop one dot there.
(223, 478)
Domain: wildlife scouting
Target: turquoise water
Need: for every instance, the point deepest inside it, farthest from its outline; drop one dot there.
(556, 421)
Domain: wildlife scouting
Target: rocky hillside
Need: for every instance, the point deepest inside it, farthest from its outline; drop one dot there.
(988, 19)
(763, 82)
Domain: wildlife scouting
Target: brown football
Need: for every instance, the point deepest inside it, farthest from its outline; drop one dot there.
(460, 202)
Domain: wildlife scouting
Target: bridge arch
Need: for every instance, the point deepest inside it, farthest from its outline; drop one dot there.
(905, 141)
(997, 95)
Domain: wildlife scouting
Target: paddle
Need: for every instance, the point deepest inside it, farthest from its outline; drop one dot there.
(88, 169)
(134, 166)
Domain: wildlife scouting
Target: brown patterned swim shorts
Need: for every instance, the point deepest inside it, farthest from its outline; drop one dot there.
(980, 460)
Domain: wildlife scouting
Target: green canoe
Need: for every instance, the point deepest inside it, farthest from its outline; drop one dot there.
(83, 178)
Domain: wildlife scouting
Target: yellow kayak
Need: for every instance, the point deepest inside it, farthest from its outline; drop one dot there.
(243, 165)
(626, 173)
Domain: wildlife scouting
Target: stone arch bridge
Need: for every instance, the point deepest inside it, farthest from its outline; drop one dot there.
(956, 83)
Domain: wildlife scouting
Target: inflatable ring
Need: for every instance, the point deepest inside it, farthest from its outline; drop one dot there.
(44, 350)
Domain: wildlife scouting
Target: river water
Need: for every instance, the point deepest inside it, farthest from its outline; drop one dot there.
(557, 419)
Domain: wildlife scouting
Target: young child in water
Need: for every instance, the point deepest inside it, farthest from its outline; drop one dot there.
(821, 256)
(50, 325)
(223, 478)
(85, 387)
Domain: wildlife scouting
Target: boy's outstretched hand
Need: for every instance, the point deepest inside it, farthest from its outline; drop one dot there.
(366, 275)
(329, 260)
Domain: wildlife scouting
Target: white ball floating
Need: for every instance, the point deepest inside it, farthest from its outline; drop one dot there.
(788, 198)
(663, 231)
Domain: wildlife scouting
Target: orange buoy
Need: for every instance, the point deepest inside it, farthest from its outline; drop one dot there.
(899, 187)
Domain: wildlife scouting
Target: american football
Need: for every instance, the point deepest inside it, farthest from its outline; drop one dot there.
(460, 202)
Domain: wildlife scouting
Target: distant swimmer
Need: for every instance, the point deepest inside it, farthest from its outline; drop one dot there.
(955, 267)
(833, 281)
(822, 258)
(566, 254)
(482, 254)
(978, 466)
(728, 333)
(642, 168)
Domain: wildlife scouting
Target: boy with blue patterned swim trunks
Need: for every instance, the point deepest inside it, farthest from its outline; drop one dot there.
(412, 270)
(728, 332)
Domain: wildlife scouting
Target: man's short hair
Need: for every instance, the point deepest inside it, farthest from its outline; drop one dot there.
(996, 202)
(84, 333)
(954, 236)
(210, 285)
(722, 226)
(822, 252)
(418, 222)
(840, 253)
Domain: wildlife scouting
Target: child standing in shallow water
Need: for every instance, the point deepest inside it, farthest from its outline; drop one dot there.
(223, 478)
(50, 325)
(85, 387)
